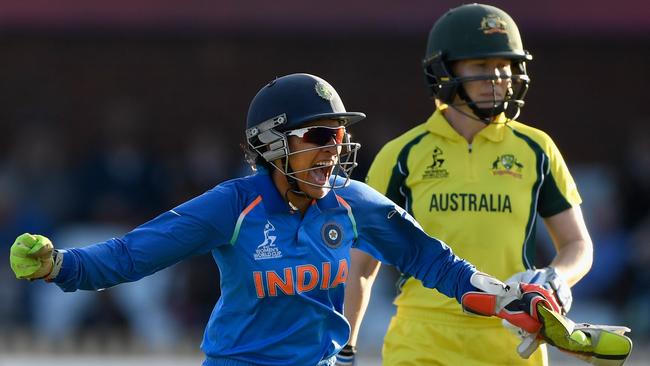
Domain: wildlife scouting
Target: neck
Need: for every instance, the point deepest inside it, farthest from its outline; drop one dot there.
(298, 201)
(465, 125)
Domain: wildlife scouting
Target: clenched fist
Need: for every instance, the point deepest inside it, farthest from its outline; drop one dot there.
(31, 257)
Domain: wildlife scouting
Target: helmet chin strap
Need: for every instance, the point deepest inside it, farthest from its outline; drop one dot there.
(293, 184)
(484, 115)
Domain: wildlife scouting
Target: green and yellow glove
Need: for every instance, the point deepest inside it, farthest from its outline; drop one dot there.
(31, 257)
(601, 345)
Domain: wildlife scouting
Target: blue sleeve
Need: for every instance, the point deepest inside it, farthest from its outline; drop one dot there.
(391, 235)
(195, 227)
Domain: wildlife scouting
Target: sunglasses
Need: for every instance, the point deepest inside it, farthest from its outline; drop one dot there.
(319, 135)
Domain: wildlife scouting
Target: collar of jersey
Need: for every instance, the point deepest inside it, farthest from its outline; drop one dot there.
(275, 203)
(438, 124)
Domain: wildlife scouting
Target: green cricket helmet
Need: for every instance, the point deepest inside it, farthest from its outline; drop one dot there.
(475, 31)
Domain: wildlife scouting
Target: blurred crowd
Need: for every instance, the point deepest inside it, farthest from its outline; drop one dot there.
(84, 197)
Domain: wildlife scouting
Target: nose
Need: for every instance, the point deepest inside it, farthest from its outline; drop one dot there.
(332, 147)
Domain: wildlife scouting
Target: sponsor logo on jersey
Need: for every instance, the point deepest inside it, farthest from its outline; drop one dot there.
(299, 279)
(268, 249)
(435, 170)
(507, 164)
(481, 202)
(492, 23)
(400, 212)
(396, 211)
(332, 234)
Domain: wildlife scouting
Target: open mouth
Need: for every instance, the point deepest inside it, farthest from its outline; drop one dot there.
(321, 171)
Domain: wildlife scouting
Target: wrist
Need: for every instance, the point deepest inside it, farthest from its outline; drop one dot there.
(348, 350)
(57, 262)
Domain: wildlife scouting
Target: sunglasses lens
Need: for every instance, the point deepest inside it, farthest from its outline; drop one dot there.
(324, 135)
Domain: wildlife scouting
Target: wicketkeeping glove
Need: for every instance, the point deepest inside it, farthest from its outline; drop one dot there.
(346, 356)
(601, 345)
(514, 302)
(32, 257)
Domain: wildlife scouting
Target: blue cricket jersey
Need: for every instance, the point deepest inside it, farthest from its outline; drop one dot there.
(282, 274)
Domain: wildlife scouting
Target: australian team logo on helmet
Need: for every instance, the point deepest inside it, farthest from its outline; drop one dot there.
(492, 23)
(283, 106)
(476, 31)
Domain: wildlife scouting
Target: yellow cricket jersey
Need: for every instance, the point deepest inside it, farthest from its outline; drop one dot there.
(481, 198)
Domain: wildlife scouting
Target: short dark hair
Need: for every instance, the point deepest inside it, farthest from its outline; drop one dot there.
(252, 158)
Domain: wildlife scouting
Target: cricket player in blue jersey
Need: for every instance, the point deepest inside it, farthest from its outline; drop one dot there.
(281, 239)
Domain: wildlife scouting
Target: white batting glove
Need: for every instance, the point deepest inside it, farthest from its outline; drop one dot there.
(549, 279)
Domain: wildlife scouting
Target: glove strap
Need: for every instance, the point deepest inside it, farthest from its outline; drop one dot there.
(560, 289)
(57, 258)
(492, 296)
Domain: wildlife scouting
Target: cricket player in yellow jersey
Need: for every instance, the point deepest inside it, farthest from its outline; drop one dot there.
(476, 178)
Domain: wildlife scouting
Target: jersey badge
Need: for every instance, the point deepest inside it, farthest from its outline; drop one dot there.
(507, 164)
(332, 234)
(268, 249)
(436, 170)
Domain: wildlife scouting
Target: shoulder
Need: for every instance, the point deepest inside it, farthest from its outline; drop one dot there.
(531, 135)
(230, 194)
(359, 194)
(233, 187)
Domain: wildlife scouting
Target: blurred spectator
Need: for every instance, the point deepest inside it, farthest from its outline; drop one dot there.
(638, 294)
(32, 197)
(144, 303)
(120, 180)
(119, 184)
(635, 185)
(635, 176)
(15, 218)
(37, 166)
(205, 162)
(593, 301)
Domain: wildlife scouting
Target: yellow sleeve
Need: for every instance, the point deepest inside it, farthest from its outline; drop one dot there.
(382, 168)
(558, 191)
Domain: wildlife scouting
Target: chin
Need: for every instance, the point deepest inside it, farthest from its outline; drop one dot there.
(487, 105)
(317, 193)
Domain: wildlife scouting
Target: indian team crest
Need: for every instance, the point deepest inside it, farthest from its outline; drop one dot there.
(332, 234)
(324, 90)
(507, 164)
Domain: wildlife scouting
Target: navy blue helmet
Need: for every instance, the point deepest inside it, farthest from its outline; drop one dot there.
(287, 103)
(300, 98)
